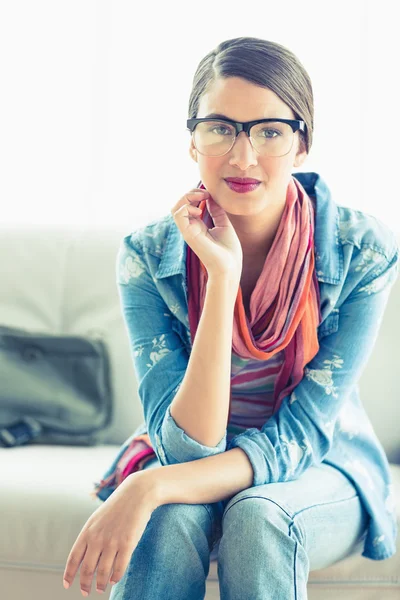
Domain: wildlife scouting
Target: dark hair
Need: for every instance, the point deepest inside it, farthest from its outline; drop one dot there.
(264, 63)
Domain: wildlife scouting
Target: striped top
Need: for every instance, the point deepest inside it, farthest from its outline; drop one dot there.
(252, 392)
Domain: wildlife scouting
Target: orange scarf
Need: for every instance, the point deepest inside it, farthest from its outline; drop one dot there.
(285, 303)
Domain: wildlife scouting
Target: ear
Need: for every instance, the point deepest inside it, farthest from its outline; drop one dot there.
(193, 151)
(300, 158)
(301, 155)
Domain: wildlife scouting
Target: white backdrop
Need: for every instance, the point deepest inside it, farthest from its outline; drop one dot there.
(84, 83)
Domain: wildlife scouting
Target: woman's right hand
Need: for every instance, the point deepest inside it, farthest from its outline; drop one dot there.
(219, 249)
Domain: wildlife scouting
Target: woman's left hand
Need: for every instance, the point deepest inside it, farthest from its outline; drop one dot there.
(111, 534)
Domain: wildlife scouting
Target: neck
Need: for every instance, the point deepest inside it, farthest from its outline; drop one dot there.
(257, 234)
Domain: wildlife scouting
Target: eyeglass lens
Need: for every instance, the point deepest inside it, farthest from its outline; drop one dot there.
(214, 138)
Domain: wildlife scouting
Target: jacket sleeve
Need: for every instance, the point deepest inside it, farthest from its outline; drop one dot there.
(301, 433)
(159, 355)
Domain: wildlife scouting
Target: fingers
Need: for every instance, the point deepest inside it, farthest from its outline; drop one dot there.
(107, 561)
(87, 570)
(121, 562)
(104, 569)
(90, 555)
(187, 210)
(185, 217)
(74, 560)
(192, 196)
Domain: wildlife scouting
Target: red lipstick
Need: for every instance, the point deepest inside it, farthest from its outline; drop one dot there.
(242, 184)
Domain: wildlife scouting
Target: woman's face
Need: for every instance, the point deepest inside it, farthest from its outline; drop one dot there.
(240, 100)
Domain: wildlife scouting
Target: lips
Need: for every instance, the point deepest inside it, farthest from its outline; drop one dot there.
(242, 180)
(242, 188)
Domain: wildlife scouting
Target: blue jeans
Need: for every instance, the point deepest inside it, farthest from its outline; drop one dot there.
(267, 539)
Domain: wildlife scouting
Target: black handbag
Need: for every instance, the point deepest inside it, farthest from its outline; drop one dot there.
(54, 389)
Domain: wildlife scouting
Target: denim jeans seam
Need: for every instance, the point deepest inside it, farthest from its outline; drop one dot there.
(324, 504)
(294, 515)
(214, 526)
(294, 564)
(262, 498)
(304, 532)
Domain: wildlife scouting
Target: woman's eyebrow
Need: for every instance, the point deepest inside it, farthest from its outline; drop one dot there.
(217, 116)
(221, 116)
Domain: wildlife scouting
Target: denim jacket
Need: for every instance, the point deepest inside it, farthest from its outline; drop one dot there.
(323, 419)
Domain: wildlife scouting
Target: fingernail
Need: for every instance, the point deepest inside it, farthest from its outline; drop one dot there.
(100, 591)
(65, 584)
(84, 593)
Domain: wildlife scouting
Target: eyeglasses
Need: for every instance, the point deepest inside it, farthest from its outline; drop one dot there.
(269, 137)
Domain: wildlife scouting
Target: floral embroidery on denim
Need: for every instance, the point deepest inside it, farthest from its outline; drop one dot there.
(159, 349)
(345, 226)
(368, 256)
(376, 285)
(324, 376)
(295, 452)
(131, 267)
(139, 351)
(175, 308)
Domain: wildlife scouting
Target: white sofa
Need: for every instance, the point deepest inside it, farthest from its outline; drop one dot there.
(63, 281)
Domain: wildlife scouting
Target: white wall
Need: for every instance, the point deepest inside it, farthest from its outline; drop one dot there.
(80, 79)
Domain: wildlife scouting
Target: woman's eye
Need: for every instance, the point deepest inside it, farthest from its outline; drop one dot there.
(221, 127)
(272, 131)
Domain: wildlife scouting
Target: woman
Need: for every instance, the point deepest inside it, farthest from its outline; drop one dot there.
(248, 373)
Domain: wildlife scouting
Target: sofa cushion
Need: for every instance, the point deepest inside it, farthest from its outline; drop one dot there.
(45, 502)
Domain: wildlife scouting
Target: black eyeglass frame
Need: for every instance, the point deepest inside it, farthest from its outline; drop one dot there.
(295, 124)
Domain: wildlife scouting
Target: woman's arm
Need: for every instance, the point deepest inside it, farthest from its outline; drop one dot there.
(201, 404)
(167, 365)
(201, 481)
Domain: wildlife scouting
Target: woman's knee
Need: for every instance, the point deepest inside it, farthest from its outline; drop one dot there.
(246, 509)
(248, 515)
(175, 517)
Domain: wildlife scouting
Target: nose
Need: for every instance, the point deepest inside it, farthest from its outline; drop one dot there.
(242, 153)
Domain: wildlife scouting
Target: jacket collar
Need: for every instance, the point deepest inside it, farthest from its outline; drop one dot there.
(328, 259)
